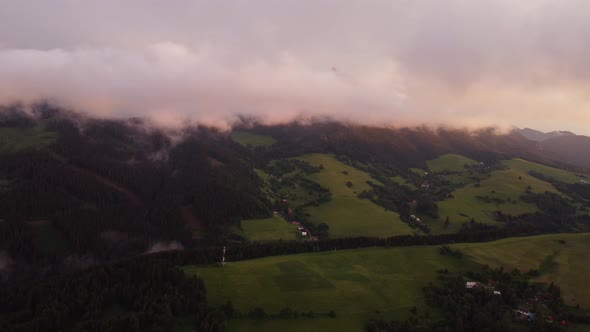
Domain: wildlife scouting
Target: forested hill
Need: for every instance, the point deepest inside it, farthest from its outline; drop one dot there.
(76, 191)
(404, 147)
(93, 190)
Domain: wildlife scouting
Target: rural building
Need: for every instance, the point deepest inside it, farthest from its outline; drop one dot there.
(303, 233)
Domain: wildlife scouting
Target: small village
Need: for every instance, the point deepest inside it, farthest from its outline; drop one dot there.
(525, 312)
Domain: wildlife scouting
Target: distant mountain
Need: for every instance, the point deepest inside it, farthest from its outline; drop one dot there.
(574, 150)
(539, 136)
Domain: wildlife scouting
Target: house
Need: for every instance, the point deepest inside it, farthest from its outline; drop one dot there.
(473, 284)
(314, 238)
(523, 314)
(497, 293)
(303, 233)
(296, 223)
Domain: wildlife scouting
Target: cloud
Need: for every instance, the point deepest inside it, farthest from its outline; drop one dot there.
(170, 83)
(378, 61)
(163, 246)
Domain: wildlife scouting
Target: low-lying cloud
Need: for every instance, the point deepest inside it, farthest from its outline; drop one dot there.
(455, 62)
(172, 83)
(164, 246)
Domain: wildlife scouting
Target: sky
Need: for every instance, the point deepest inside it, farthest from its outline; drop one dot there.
(382, 62)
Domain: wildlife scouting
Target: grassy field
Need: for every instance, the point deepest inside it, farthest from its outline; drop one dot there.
(524, 166)
(273, 228)
(356, 283)
(565, 264)
(348, 324)
(402, 181)
(508, 185)
(418, 171)
(346, 214)
(353, 283)
(248, 139)
(17, 139)
(450, 162)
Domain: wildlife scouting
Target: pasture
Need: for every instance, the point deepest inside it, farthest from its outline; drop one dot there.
(505, 186)
(358, 283)
(450, 162)
(524, 166)
(565, 264)
(17, 139)
(273, 228)
(346, 214)
(353, 283)
(254, 140)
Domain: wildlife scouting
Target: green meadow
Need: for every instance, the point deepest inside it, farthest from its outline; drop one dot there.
(249, 139)
(17, 139)
(561, 258)
(450, 162)
(360, 284)
(507, 185)
(524, 166)
(353, 283)
(273, 228)
(346, 214)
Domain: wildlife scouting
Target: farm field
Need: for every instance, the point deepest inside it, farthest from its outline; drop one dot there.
(249, 139)
(346, 214)
(450, 162)
(356, 283)
(273, 228)
(17, 139)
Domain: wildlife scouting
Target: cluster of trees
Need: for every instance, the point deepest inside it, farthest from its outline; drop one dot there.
(480, 309)
(260, 314)
(446, 250)
(111, 189)
(137, 295)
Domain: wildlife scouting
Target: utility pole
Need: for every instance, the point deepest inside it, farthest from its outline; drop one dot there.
(223, 257)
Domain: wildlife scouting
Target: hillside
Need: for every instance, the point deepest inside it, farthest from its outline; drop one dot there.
(539, 136)
(78, 193)
(574, 150)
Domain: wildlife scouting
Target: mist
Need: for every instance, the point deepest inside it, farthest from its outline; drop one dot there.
(164, 246)
(402, 63)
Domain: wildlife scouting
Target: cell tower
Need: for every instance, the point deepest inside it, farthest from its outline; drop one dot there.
(223, 257)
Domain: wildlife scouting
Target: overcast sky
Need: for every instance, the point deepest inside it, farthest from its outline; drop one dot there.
(405, 62)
